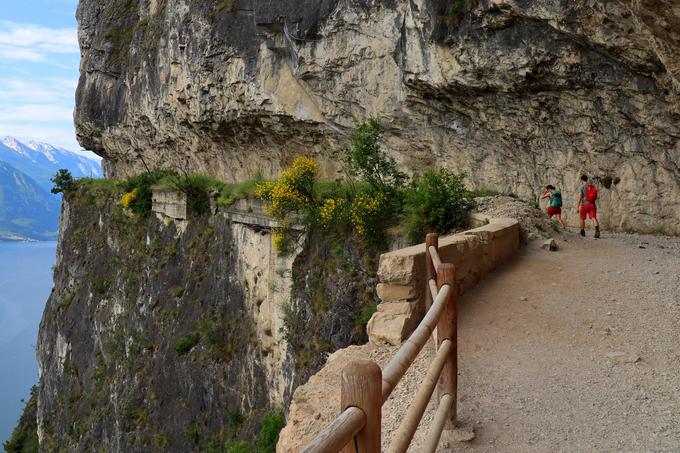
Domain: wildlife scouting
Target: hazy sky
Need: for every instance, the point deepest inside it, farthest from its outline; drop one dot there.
(39, 59)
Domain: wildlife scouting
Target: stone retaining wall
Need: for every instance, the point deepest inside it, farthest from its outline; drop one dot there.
(169, 202)
(401, 290)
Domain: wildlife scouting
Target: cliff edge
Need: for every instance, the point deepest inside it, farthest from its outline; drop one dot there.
(516, 93)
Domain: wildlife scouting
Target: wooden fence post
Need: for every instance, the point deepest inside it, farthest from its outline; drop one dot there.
(432, 239)
(447, 328)
(362, 388)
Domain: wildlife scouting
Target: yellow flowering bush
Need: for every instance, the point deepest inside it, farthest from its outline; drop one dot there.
(332, 212)
(281, 241)
(364, 213)
(302, 173)
(264, 189)
(127, 199)
(292, 191)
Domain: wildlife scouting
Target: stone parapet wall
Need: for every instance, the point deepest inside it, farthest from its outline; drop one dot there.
(401, 290)
(171, 203)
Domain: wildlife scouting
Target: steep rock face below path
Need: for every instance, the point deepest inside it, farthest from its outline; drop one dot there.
(516, 93)
(165, 336)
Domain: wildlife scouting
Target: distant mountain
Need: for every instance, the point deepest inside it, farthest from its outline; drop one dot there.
(27, 208)
(41, 161)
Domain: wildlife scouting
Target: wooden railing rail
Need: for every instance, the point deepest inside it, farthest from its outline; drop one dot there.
(337, 434)
(408, 352)
(365, 387)
(402, 438)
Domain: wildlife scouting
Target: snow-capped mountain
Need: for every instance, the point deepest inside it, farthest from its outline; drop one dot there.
(60, 156)
(27, 208)
(41, 161)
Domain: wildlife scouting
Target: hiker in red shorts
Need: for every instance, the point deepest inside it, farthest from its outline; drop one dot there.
(586, 206)
(555, 206)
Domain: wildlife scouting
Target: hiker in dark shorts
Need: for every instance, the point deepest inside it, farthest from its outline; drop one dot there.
(586, 206)
(555, 205)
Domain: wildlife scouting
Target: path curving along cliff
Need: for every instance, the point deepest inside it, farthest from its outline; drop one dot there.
(516, 93)
(558, 351)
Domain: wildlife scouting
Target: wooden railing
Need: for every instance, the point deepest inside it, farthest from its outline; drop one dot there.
(365, 387)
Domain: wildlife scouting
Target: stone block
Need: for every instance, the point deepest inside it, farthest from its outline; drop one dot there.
(388, 292)
(401, 267)
(393, 322)
(171, 203)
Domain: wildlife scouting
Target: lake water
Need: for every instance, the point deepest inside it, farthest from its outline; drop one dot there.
(25, 284)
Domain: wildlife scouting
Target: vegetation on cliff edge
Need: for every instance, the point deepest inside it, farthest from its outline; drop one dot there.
(24, 439)
(373, 198)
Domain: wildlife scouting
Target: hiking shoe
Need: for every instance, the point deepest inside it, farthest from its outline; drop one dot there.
(597, 233)
(583, 233)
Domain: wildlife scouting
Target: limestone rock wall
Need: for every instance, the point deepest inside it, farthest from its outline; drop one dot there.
(158, 330)
(175, 335)
(517, 93)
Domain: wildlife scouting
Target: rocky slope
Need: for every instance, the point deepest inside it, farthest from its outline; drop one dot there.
(517, 93)
(179, 336)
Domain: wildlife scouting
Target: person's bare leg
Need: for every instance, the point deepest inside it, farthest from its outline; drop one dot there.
(559, 219)
(597, 227)
(583, 226)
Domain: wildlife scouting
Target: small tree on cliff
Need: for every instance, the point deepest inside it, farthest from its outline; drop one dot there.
(369, 162)
(63, 181)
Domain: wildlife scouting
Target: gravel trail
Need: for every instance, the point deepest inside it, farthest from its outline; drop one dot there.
(570, 351)
(574, 351)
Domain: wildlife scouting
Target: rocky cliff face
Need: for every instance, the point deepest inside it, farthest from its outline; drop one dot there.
(516, 93)
(177, 336)
(148, 340)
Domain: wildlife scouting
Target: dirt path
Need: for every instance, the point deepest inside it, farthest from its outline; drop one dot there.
(549, 348)
(569, 351)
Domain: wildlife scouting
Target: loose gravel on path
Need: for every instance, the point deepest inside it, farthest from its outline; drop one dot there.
(588, 362)
(570, 351)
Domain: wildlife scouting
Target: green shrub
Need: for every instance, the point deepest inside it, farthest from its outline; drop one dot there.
(282, 239)
(235, 418)
(436, 201)
(24, 438)
(272, 424)
(197, 188)
(366, 160)
(193, 433)
(486, 192)
(456, 7)
(238, 446)
(230, 193)
(63, 181)
(141, 185)
(186, 343)
(365, 314)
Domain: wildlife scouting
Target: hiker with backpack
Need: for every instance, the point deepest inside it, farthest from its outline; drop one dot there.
(555, 205)
(586, 206)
